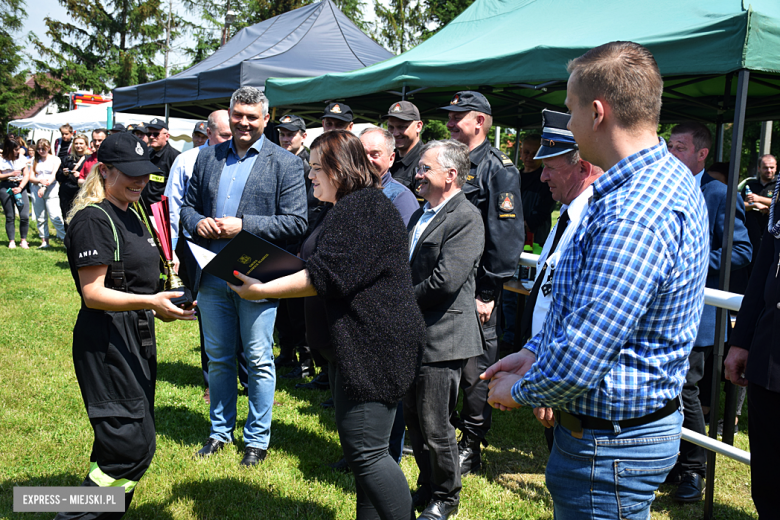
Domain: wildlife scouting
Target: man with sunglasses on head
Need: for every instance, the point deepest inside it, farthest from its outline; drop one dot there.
(162, 156)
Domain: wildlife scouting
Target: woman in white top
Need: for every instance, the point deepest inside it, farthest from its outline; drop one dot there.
(46, 199)
(13, 179)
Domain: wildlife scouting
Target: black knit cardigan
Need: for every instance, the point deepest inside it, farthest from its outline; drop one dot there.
(361, 269)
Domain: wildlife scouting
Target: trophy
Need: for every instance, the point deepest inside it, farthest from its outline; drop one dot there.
(162, 229)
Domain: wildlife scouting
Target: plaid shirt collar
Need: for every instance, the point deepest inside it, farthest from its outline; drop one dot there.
(619, 174)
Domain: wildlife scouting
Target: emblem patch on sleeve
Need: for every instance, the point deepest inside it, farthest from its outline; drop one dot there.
(506, 202)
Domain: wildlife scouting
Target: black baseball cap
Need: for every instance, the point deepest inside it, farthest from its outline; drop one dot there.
(403, 110)
(139, 127)
(338, 111)
(467, 100)
(292, 123)
(128, 154)
(119, 127)
(201, 128)
(157, 124)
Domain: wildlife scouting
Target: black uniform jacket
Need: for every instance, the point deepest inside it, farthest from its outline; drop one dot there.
(493, 186)
(163, 160)
(444, 267)
(758, 322)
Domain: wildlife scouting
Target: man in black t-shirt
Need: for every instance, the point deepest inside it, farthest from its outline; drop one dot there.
(162, 156)
(758, 199)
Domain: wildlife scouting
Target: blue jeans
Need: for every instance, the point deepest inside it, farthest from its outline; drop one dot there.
(608, 475)
(225, 317)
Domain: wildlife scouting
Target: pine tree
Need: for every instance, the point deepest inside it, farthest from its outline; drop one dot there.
(15, 96)
(108, 44)
(400, 24)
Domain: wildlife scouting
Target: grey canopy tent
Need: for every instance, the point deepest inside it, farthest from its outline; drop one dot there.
(309, 41)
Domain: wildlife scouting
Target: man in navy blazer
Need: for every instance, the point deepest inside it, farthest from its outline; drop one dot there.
(245, 183)
(690, 142)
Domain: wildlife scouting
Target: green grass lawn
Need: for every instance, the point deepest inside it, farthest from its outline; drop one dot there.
(46, 437)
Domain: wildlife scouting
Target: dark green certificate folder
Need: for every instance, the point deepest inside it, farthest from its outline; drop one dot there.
(248, 254)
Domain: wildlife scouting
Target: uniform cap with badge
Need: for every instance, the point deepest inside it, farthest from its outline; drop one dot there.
(138, 127)
(338, 111)
(404, 110)
(128, 154)
(157, 124)
(468, 100)
(557, 139)
(201, 128)
(292, 123)
(119, 127)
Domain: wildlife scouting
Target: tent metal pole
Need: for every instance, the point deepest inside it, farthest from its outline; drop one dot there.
(167, 113)
(766, 138)
(722, 316)
(719, 140)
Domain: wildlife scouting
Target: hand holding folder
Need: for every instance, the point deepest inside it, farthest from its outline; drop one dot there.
(250, 255)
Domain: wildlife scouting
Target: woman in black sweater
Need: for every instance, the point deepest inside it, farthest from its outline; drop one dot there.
(357, 276)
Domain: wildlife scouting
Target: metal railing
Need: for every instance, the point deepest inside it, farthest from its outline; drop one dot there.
(716, 298)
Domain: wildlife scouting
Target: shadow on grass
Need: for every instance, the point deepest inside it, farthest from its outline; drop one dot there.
(676, 511)
(61, 264)
(231, 498)
(179, 373)
(182, 424)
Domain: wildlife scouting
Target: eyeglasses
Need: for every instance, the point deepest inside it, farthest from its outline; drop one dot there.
(423, 169)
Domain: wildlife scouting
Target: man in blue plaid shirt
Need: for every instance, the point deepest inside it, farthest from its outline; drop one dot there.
(628, 295)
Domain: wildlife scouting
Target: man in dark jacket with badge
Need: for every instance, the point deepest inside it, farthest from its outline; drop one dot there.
(493, 186)
(404, 122)
(162, 156)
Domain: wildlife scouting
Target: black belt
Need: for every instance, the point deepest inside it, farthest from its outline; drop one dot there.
(576, 423)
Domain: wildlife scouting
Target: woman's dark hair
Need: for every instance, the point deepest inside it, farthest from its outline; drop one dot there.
(10, 145)
(344, 160)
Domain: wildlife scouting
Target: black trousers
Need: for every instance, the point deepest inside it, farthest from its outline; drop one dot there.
(428, 405)
(291, 328)
(364, 431)
(476, 415)
(115, 359)
(693, 458)
(763, 425)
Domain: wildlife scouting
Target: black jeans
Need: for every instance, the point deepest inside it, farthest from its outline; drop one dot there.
(693, 458)
(427, 408)
(476, 415)
(763, 425)
(364, 431)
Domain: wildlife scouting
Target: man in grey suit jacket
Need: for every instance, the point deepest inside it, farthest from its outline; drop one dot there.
(245, 183)
(446, 239)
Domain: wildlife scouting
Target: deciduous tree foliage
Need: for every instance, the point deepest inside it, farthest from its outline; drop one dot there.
(105, 44)
(401, 23)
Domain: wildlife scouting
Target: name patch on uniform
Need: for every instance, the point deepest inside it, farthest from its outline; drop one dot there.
(506, 215)
(157, 178)
(506, 202)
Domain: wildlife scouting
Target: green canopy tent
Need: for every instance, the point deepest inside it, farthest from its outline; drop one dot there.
(515, 52)
(719, 60)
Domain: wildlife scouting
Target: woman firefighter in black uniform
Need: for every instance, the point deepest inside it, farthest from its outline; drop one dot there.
(116, 266)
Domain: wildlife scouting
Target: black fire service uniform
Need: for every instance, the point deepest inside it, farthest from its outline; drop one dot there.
(115, 353)
(155, 188)
(493, 186)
